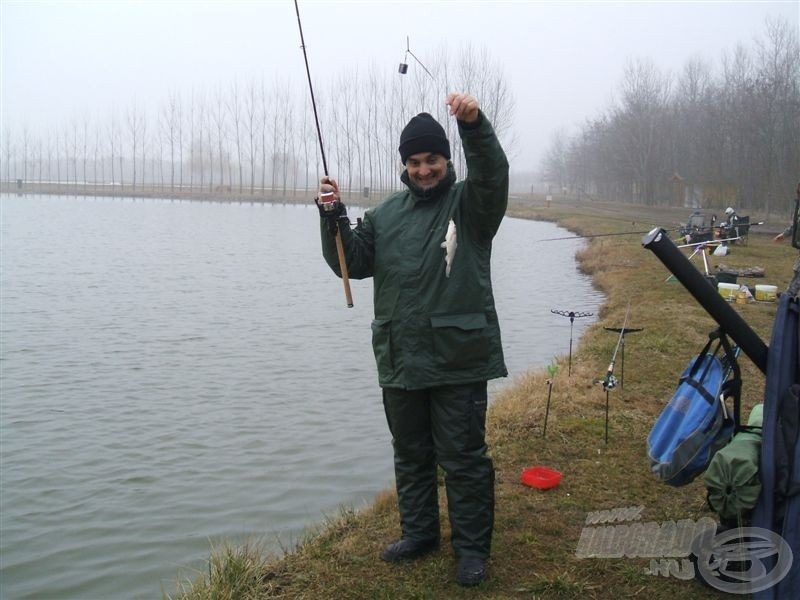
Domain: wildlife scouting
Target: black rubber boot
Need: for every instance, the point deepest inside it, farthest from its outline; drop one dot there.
(471, 571)
(405, 549)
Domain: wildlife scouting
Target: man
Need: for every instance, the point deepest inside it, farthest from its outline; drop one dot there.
(729, 227)
(435, 335)
(794, 284)
(730, 216)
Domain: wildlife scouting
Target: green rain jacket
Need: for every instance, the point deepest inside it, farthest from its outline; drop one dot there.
(431, 330)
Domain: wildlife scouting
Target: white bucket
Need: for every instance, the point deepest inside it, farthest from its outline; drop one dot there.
(727, 290)
(766, 293)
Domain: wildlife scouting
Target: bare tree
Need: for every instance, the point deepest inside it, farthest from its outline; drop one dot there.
(170, 117)
(143, 146)
(280, 107)
(74, 147)
(776, 91)
(114, 148)
(8, 150)
(85, 147)
(195, 137)
(264, 131)
(161, 133)
(210, 146)
(49, 159)
(26, 140)
(251, 115)
(555, 159)
(218, 115)
(134, 122)
(180, 143)
(645, 93)
(234, 105)
(97, 159)
(58, 159)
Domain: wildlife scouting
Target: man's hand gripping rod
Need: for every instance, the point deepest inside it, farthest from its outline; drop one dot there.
(339, 246)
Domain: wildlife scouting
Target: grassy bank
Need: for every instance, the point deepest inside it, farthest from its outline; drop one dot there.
(536, 532)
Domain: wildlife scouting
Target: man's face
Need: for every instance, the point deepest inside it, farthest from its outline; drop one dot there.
(426, 169)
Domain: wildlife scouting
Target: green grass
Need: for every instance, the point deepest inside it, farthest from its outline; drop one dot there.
(536, 532)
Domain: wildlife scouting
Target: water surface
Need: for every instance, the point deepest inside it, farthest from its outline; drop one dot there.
(176, 374)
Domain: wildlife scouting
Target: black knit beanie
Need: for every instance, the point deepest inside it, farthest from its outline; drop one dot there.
(423, 134)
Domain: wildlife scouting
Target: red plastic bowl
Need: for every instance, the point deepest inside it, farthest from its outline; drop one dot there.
(541, 478)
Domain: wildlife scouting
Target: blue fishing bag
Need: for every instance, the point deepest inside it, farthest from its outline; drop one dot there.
(696, 423)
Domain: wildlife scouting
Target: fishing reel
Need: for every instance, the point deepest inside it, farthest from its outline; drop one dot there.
(328, 202)
(609, 382)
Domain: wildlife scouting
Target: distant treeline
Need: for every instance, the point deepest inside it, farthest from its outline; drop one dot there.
(260, 137)
(709, 135)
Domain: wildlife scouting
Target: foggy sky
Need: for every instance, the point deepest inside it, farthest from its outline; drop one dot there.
(563, 61)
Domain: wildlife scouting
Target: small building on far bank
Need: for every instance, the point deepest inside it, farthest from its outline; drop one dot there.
(702, 194)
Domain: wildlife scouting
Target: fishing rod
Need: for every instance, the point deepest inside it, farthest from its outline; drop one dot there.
(610, 381)
(576, 237)
(709, 242)
(332, 222)
(623, 331)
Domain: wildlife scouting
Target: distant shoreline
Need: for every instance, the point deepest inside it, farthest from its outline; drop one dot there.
(525, 206)
(221, 194)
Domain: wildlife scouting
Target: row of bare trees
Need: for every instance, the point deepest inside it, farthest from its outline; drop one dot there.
(258, 137)
(737, 125)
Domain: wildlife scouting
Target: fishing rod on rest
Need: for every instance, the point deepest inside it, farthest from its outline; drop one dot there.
(332, 224)
(610, 380)
(595, 235)
(623, 331)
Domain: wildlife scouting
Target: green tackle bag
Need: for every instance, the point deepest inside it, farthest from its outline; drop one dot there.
(732, 477)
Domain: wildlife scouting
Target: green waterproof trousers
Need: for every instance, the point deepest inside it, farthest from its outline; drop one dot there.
(445, 426)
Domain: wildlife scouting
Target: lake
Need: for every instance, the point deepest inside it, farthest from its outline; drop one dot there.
(178, 374)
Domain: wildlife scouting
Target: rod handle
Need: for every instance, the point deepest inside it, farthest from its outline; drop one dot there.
(343, 267)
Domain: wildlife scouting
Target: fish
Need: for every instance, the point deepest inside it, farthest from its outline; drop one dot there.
(449, 244)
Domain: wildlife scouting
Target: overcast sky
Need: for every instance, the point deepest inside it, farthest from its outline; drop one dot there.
(562, 60)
